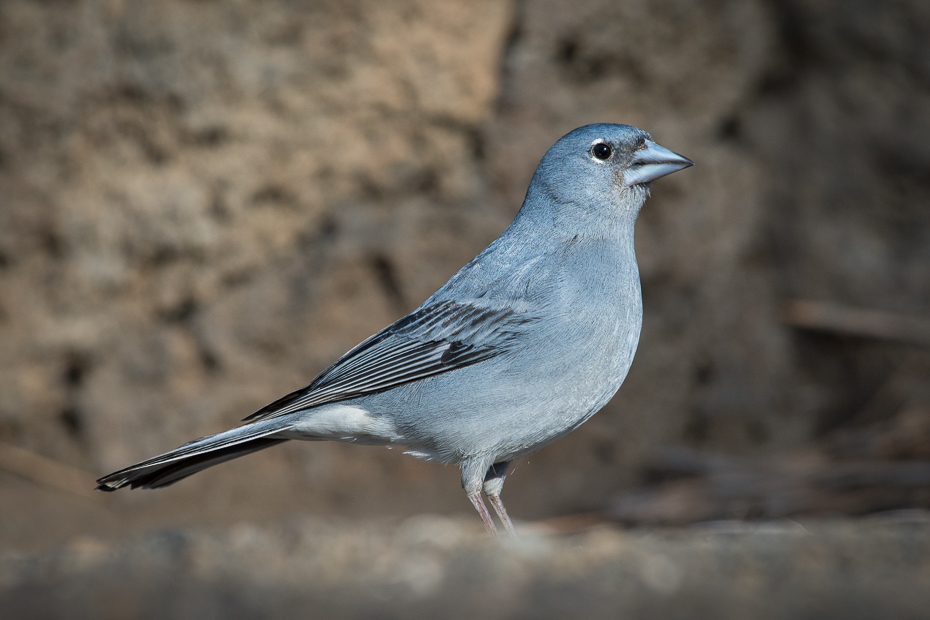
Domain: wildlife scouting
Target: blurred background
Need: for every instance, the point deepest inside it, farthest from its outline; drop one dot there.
(203, 204)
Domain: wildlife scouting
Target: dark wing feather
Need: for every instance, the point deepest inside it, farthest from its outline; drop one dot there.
(433, 340)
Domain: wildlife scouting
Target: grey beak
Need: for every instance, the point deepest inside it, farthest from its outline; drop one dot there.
(653, 162)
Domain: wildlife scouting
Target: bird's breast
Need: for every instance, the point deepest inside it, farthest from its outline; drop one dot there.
(607, 313)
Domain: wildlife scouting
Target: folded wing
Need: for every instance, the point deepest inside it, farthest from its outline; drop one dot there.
(432, 340)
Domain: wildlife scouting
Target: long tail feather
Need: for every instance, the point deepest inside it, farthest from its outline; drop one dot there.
(194, 456)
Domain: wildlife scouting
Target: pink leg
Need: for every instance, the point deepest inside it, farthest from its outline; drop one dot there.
(498, 506)
(478, 503)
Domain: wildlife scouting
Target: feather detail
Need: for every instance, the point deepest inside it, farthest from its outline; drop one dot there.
(434, 339)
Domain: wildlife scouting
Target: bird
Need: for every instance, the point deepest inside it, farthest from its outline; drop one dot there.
(519, 348)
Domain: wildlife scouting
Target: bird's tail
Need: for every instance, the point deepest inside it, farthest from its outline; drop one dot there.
(195, 456)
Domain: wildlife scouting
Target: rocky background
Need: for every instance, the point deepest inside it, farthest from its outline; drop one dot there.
(202, 205)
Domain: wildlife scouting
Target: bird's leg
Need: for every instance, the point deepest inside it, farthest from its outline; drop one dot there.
(478, 503)
(498, 506)
(493, 485)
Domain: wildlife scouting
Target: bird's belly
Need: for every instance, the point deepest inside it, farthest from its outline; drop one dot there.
(507, 406)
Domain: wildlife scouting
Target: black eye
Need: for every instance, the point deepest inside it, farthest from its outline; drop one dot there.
(601, 150)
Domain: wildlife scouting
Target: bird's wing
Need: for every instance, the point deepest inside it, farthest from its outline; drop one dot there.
(434, 339)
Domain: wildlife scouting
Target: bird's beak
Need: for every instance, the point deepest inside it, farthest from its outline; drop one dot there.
(653, 162)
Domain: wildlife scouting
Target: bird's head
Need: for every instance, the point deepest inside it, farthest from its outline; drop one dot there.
(601, 171)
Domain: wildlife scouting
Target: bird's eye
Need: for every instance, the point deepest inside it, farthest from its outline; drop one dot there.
(601, 150)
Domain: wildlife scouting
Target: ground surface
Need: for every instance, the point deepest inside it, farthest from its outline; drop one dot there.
(435, 567)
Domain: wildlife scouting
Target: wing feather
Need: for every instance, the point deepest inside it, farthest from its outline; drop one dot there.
(434, 339)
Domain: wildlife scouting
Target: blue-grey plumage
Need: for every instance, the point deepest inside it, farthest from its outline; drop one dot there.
(517, 349)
